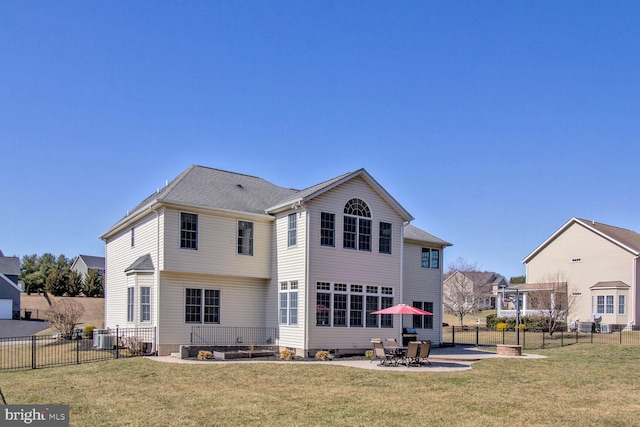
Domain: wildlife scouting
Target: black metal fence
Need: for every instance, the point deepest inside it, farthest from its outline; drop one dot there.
(480, 336)
(233, 335)
(40, 351)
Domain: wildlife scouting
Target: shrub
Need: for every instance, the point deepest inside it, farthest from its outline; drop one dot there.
(88, 331)
(492, 321)
(368, 353)
(287, 354)
(501, 326)
(322, 355)
(204, 355)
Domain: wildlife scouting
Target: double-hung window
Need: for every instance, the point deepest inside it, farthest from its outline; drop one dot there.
(423, 322)
(384, 244)
(430, 258)
(198, 308)
(188, 231)
(289, 303)
(130, 306)
(245, 238)
(357, 226)
(609, 306)
(622, 309)
(293, 230)
(145, 304)
(600, 304)
(327, 229)
(342, 305)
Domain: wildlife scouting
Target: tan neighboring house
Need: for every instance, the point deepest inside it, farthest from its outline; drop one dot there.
(599, 264)
(216, 249)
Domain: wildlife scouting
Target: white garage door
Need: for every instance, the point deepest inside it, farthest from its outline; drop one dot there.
(6, 309)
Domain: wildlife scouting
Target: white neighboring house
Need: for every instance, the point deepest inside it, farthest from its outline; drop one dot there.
(216, 249)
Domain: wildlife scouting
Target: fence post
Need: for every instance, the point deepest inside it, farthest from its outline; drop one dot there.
(561, 338)
(542, 338)
(453, 335)
(78, 350)
(620, 336)
(477, 335)
(33, 352)
(117, 343)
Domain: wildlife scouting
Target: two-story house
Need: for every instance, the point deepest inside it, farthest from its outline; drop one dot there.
(9, 288)
(215, 248)
(83, 263)
(599, 266)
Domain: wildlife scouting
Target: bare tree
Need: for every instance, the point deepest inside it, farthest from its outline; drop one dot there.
(64, 315)
(463, 288)
(553, 300)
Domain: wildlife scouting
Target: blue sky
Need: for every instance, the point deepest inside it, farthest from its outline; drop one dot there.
(492, 123)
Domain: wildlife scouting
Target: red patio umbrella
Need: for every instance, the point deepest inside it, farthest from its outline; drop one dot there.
(402, 309)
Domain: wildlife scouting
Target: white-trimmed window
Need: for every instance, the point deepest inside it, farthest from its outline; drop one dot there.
(600, 304)
(430, 258)
(357, 226)
(423, 322)
(130, 304)
(245, 238)
(188, 231)
(145, 304)
(293, 230)
(622, 304)
(289, 303)
(327, 229)
(196, 308)
(341, 305)
(609, 305)
(384, 243)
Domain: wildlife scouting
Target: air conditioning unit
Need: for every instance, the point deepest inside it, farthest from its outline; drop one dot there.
(605, 329)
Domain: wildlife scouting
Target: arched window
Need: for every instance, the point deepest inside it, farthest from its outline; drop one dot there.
(357, 226)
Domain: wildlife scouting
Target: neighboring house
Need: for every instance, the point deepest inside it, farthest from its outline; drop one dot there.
(598, 266)
(9, 288)
(473, 289)
(221, 249)
(83, 263)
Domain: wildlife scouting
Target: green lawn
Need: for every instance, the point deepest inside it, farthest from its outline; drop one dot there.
(579, 385)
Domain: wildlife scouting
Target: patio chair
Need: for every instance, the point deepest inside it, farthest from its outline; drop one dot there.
(411, 358)
(385, 358)
(425, 349)
(392, 342)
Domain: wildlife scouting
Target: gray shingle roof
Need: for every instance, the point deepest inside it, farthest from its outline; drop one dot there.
(217, 189)
(144, 263)
(412, 232)
(10, 265)
(93, 262)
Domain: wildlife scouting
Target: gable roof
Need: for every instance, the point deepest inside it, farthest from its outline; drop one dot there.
(626, 239)
(92, 262)
(308, 194)
(209, 188)
(5, 281)
(414, 234)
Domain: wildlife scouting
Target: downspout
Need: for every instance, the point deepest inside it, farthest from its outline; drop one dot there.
(635, 292)
(402, 278)
(157, 279)
(307, 289)
(441, 305)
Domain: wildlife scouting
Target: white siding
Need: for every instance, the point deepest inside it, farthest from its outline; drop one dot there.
(217, 251)
(241, 304)
(120, 255)
(291, 262)
(425, 285)
(336, 264)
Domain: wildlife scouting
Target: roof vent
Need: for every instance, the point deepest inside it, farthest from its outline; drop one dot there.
(240, 186)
